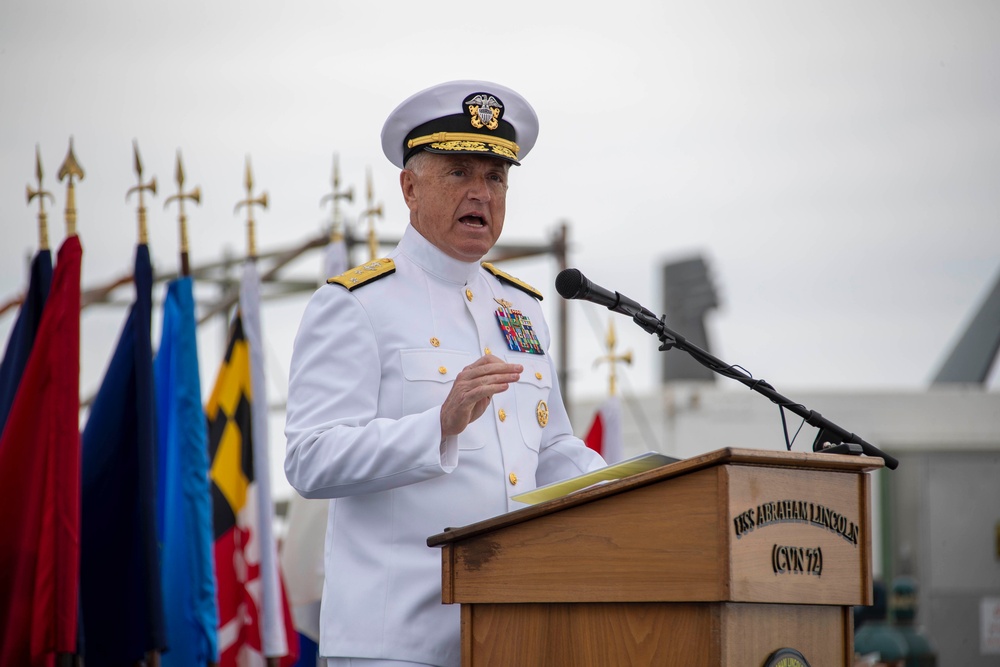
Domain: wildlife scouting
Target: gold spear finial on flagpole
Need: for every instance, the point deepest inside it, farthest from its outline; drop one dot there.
(370, 212)
(43, 218)
(613, 359)
(195, 196)
(250, 202)
(70, 169)
(335, 196)
(140, 188)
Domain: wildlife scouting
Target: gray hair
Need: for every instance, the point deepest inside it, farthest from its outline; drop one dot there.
(416, 162)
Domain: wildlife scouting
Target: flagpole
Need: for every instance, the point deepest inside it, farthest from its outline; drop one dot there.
(43, 224)
(250, 202)
(191, 607)
(613, 359)
(70, 170)
(140, 188)
(195, 196)
(335, 195)
(252, 324)
(15, 356)
(605, 434)
(152, 654)
(370, 212)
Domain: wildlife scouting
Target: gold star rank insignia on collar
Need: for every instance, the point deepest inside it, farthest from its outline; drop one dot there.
(516, 328)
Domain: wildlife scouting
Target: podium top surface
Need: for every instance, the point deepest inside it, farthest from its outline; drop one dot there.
(835, 463)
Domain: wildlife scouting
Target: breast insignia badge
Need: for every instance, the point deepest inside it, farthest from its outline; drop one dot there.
(542, 413)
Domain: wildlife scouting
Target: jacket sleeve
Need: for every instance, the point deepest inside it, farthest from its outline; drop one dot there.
(336, 445)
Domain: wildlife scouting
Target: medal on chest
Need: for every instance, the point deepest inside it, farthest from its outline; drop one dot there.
(516, 328)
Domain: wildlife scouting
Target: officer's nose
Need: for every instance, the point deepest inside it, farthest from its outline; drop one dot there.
(479, 189)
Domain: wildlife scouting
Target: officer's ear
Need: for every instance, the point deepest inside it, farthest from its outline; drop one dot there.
(408, 184)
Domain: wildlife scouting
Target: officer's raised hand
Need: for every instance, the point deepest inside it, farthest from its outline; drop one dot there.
(473, 388)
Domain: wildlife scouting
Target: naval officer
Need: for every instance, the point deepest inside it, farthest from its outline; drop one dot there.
(422, 393)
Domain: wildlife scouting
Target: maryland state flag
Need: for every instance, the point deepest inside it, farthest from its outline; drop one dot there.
(244, 621)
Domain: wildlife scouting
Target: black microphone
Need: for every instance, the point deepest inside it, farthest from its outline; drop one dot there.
(571, 284)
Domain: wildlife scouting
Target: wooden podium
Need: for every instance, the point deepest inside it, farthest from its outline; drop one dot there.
(721, 559)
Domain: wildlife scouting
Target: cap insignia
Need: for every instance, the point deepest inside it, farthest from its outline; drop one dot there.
(485, 110)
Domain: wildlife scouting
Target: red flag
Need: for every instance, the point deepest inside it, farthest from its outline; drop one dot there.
(40, 484)
(605, 434)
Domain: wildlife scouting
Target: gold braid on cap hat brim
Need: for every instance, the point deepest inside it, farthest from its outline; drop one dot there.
(442, 137)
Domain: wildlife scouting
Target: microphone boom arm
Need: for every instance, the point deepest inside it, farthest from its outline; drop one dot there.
(844, 442)
(831, 439)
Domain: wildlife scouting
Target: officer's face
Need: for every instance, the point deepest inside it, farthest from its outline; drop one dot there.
(457, 202)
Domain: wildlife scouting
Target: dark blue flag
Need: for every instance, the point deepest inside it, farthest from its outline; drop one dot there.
(22, 336)
(120, 573)
(184, 504)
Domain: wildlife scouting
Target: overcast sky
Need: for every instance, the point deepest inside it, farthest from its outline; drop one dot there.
(835, 163)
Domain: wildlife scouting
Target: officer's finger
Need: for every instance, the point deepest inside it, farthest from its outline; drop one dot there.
(490, 367)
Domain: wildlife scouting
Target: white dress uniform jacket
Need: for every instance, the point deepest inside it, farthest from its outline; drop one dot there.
(369, 372)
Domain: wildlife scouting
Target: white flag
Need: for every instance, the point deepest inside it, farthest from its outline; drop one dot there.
(272, 621)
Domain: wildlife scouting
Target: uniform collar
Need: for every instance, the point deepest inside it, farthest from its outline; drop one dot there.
(431, 259)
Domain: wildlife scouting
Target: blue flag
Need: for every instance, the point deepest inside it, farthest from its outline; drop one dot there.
(22, 336)
(184, 503)
(119, 566)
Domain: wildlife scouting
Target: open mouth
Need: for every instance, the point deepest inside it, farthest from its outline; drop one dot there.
(472, 221)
